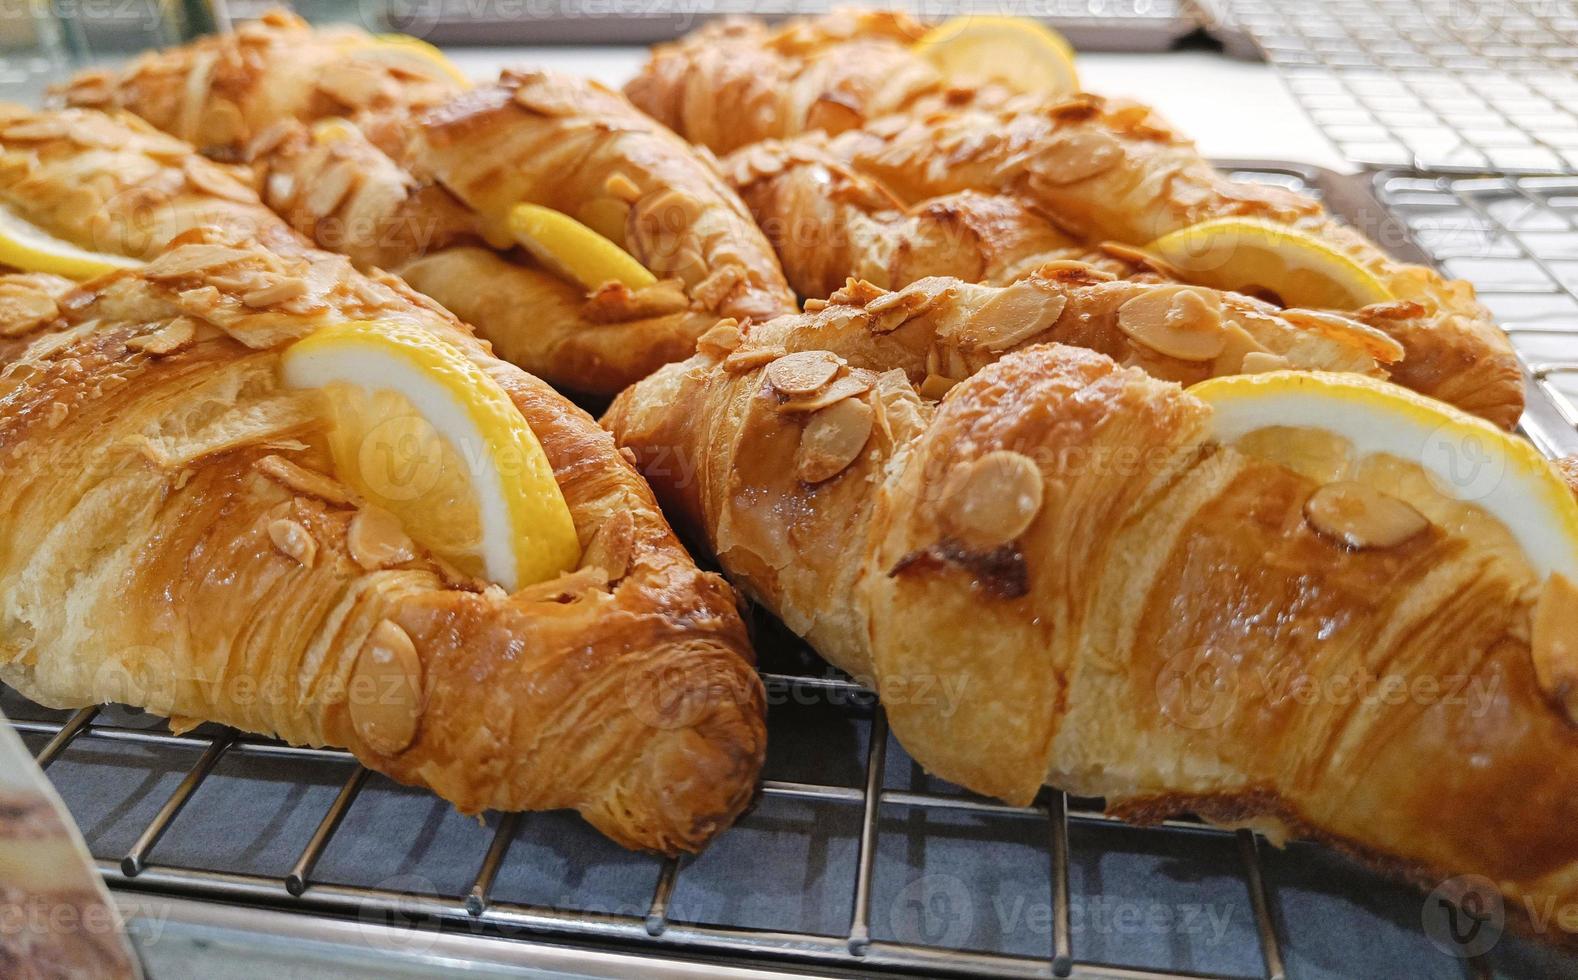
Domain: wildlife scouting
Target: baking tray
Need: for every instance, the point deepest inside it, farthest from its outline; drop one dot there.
(853, 863)
(1090, 25)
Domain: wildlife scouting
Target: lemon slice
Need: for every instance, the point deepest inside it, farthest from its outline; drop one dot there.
(410, 53)
(424, 433)
(1016, 52)
(25, 246)
(1270, 260)
(1455, 469)
(573, 250)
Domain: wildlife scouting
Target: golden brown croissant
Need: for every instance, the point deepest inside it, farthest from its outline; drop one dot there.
(423, 184)
(221, 92)
(939, 331)
(739, 81)
(1060, 541)
(175, 537)
(1106, 171)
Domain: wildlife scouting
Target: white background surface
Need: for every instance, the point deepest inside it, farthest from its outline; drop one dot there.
(1231, 108)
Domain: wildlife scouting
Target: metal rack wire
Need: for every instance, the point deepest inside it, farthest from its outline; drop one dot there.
(842, 807)
(1426, 84)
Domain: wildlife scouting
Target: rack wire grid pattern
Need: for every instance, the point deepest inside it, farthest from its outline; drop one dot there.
(852, 861)
(1442, 85)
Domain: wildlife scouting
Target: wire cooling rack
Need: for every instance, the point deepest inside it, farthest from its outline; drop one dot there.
(853, 861)
(1516, 239)
(1449, 85)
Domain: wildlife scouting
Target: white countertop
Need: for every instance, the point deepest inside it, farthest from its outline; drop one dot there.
(1231, 108)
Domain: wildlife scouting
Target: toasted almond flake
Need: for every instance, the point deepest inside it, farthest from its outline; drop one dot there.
(376, 540)
(722, 338)
(173, 337)
(293, 541)
(1258, 362)
(832, 439)
(58, 411)
(748, 360)
(1178, 321)
(276, 292)
(301, 480)
(847, 386)
(1076, 155)
(1139, 257)
(209, 179)
(1361, 516)
(1014, 315)
(937, 385)
(990, 501)
(385, 692)
(802, 373)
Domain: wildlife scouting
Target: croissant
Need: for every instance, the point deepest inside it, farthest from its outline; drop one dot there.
(1061, 544)
(737, 81)
(424, 186)
(971, 183)
(174, 537)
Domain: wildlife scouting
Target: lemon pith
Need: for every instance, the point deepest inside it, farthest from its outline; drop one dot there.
(1465, 457)
(30, 248)
(1018, 52)
(573, 250)
(425, 433)
(1251, 255)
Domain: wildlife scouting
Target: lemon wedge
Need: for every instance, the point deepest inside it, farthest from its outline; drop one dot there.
(409, 53)
(1270, 260)
(574, 251)
(1016, 52)
(25, 246)
(1457, 470)
(421, 431)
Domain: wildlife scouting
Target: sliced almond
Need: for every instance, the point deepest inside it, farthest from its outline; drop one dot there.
(1177, 321)
(802, 373)
(832, 439)
(749, 360)
(1553, 643)
(992, 500)
(173, 337)
(376, 540)
(386, 690)
(1259, 362)
(293, 541)
(847, 386)
(276, 292)
(722, 339)
(1014, 315)
(937, 385)
(1361, 516)
(1076, 155)
(302, 480)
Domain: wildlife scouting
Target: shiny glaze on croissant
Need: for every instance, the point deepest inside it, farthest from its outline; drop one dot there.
(175, 538)
(417, 175)
(1124, 608)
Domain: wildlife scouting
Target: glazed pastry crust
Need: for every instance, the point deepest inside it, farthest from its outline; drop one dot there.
(176, 539)
(1060, 540)
(417, 174)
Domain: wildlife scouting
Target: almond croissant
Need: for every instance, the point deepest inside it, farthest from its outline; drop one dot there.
(175, 538)
(923, 180)
(423, 185)
(1126, 608)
